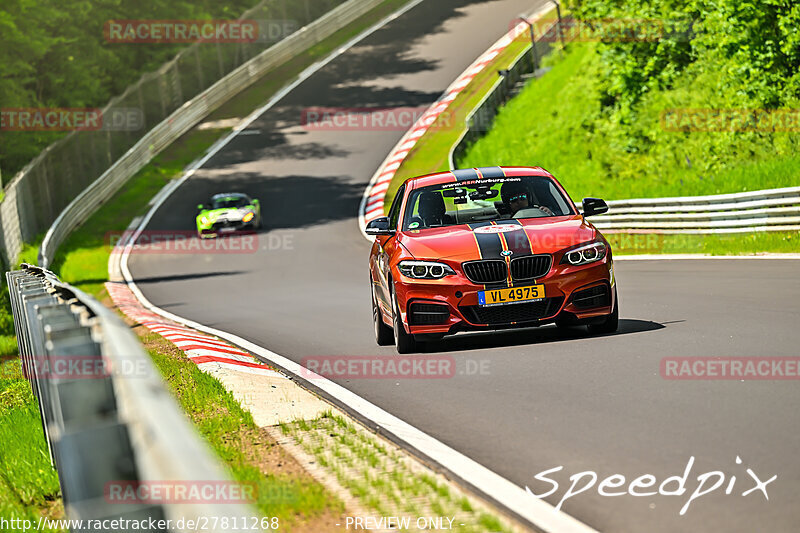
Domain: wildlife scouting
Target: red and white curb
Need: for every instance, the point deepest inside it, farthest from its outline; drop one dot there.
(372, 201)
(207, 352)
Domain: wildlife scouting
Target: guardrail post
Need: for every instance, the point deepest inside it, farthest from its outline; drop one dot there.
(560, 25)
(533, 41)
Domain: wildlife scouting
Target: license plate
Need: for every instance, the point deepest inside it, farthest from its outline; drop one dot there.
(511, 295)
(227, 229)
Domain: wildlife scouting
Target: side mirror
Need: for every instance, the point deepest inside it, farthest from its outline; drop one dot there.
(379, 226)
(255, 201)
(594, 206)
(200, 207)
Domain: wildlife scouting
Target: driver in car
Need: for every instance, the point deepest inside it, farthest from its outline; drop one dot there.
(517, 197)
(432, 211)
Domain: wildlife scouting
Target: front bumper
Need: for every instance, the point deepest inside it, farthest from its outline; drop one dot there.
(226, 228)
(578, 295)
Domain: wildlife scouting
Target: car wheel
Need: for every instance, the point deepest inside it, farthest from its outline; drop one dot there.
(403, 342)
(611, 322)
(383, 333)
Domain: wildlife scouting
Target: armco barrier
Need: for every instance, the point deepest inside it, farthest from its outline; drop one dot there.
(767, 210)
(106, 414)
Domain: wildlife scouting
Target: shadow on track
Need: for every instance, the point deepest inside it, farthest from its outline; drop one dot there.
(531, 336)
(290, 202)
(183, 277)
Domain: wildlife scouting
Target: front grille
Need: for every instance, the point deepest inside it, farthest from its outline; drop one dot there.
(532, 266)
(593, 297)
(226, 224)
(421, 314)
(506, 314)
(490, 271)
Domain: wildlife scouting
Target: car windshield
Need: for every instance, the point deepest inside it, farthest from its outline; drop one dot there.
(483, 200)
(230, 202)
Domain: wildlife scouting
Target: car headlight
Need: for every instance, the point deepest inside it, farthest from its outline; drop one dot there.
(425, 269)
(204, 220)
(585, 254)
(248, 217)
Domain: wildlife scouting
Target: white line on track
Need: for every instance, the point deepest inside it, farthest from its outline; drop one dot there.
(537, 512)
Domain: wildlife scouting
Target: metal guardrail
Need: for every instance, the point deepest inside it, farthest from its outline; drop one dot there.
(767, 210)
(106, 414)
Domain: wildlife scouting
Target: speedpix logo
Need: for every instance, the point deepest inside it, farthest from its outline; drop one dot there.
(646, 485)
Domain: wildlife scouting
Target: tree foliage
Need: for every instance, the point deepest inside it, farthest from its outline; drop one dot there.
(752, 48)
(711, 54)
(53, 54)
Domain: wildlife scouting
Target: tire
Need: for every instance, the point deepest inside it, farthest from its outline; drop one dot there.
(383, 333)
(403, 342)
(611, 323)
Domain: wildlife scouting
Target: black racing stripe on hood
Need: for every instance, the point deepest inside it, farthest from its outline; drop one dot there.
(465, 174)
(489, 244)
(492, 172)
(518, 241)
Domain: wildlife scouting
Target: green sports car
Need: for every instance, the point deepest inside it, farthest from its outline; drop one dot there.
(228, 213)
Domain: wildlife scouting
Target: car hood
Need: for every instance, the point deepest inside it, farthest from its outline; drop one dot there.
(461, 243)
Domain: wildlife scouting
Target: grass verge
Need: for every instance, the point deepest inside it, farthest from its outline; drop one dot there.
(715, 244)
(28, 483)
(284, 490)
(385, 480)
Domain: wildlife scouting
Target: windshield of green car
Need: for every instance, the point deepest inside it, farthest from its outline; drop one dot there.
(230, 202)
(483, 200)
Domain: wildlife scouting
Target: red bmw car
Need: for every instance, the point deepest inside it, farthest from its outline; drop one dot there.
(487, 248)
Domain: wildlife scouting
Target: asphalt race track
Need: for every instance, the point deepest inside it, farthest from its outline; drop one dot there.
(522, 402)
